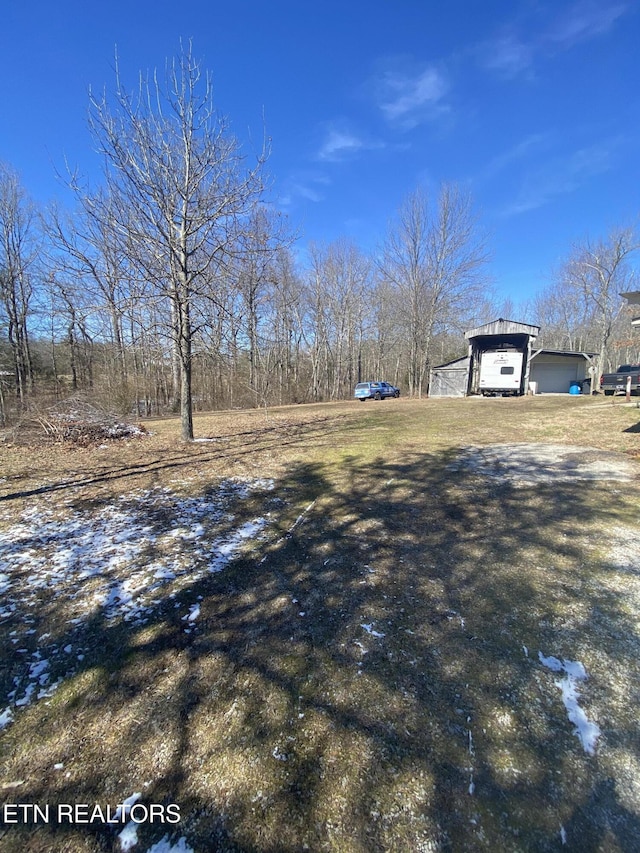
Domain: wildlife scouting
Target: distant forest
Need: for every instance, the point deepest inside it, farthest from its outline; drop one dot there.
(175, 286)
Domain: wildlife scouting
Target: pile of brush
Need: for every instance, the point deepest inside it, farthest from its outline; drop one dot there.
(83, 423)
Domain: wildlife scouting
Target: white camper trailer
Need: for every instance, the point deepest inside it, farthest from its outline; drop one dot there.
(501, 372)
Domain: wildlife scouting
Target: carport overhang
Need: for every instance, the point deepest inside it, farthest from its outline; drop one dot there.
(500, 334)
(587, 356)
(554, 359)
(633, 298)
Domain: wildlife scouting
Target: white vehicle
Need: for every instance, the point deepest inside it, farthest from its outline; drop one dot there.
(501, 372)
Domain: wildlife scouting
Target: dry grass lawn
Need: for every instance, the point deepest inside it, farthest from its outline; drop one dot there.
(362, 671)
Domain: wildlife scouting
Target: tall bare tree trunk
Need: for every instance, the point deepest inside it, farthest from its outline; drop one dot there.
(177, 194)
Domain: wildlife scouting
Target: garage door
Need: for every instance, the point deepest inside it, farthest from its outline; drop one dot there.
(553, 378)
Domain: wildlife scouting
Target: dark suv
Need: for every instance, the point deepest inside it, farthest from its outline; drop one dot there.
(375, 391)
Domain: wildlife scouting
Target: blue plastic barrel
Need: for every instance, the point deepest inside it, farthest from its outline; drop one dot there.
(575, 388)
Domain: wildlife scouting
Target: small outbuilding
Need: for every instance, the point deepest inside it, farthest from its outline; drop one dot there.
(451, 379)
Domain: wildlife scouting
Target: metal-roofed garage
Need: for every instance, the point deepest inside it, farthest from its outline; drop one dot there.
(555, 371)
(502, 360)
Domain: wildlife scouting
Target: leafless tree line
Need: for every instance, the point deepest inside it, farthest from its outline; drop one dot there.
(583, 310)
(174, 285)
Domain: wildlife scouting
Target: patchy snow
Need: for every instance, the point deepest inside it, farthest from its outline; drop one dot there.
(114, 563)
(194, 612)
(279, 755)
(587, 731)
(128, 838)
(370, 630)
(126, 806)
(228, 548)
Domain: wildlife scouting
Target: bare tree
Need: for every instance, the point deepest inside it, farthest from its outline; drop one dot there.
(178, 191)
(564, 318)
(434, 259)
(255, 270)
(17, 254)
(74, 315)
(87, 252)
(288, 325)
(337, 285)
(595, 273)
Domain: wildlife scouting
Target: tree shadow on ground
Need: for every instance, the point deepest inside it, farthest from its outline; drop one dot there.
(158, 466)
(369, 683)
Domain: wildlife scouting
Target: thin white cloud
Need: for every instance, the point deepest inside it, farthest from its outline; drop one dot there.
(338, 144)
(530, 145)
(516, 50)
(584, 21)
(307, 192)
(561, 176)
(408, 98)
(307, 186)
(341, 142)
(507, 55)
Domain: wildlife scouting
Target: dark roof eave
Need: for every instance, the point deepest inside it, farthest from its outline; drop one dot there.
(563, 352)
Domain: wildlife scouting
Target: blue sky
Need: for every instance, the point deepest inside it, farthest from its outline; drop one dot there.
(532, 104)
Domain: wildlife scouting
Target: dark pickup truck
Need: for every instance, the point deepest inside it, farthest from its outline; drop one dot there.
(616, 383)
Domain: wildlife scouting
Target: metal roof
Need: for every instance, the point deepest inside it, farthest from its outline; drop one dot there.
(633, 297)
(563, 352)
(458, 361)
(503, 327)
